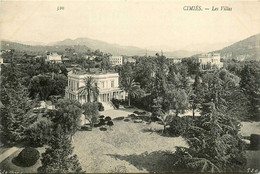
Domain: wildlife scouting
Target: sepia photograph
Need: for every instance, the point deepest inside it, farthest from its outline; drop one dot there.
(127, 86)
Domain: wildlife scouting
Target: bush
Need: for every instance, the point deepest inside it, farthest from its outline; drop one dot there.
(126, 120)
(179, 125)
(110, 123)
(101, 122)
(133, 116)
(38, 133)
(144, 118)
(27, 157)
(100, 106)
(144, 103)
(101, 116)
(136, 112)
(119, 118)
(115, 102)
(103, 129)
(108, 118)
(255, 142)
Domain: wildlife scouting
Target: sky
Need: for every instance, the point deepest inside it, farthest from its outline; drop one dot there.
(131, 23)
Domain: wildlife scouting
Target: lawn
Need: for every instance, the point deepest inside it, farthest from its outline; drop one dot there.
(8, 165)
(126, 147)
(249, 128)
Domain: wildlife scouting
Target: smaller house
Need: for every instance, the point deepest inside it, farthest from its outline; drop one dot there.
(54, 58)
(129, 59)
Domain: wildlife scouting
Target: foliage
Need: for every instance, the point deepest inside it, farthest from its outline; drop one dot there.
(90, 110)
(90, 88)
(67, 116)
(115, 102)
(129, 85)
(46, 85)
(100, 106)
(179, 126)
(177, 100)
(39, 132)
(27, 157)
(222, 87)
(214, 145)
(143, 73)
(17, 107)
(250, 84)
(58, 157)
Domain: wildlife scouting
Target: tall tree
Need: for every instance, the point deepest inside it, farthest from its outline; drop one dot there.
(250, 84)
(90, 110)
(58, 157)
(214, 145)
(67, 116)
(89, 88)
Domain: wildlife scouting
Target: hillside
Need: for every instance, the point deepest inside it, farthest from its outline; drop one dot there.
(22, 47)
(247, 49)
(116, 49)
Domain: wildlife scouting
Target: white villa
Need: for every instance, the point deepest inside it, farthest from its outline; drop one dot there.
(107, 84)
(129, 59)
(54, 57)
(209, 60)
(116, 60)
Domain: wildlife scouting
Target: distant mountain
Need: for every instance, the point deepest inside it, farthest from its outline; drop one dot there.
(247, 49)
(116, 49)
(5, 45)
(206, 47)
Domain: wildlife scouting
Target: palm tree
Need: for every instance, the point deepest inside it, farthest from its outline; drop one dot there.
(89, 87)
(132, 88)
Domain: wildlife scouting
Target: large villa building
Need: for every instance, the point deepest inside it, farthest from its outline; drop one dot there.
(116, 60)
(107, 84)
(210, 60)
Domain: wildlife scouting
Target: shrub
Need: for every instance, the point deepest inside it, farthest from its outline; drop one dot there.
(27, 157)
(254, 142)
(179, 125)
(126, 120)
(133, 116)
(103, 129)
(144, 103)
(100, 106)
(110, 123)
(136, 112)
(118, 118)
(115, 102)
(144, 118)
(108, 118)
(38, 133)
(101, 116)
(101, 122)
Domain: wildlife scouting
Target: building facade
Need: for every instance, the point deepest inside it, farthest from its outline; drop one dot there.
(116, 60)
(210, 60)
(107, 83)
(54, 57)
(129, 60)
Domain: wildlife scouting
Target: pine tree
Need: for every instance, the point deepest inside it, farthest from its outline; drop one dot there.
(58, 157)
(214, 145)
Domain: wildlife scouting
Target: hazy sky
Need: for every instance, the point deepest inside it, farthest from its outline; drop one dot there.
(142, 24)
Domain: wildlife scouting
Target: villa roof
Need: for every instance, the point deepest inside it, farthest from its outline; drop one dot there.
(93, 71)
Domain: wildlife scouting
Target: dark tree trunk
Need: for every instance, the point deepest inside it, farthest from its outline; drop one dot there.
(88, 95)
(129, 104)
(193, 111)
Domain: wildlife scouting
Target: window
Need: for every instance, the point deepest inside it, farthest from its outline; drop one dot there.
(102, 84)
(112, 84)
